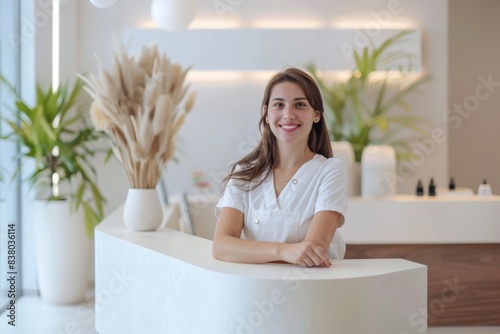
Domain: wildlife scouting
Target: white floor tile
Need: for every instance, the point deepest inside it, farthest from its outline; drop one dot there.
(33, 316)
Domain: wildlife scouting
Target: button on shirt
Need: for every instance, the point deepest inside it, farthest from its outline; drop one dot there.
(319, 185)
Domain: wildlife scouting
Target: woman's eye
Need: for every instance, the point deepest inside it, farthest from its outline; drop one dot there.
(278, 105)
(301, 105)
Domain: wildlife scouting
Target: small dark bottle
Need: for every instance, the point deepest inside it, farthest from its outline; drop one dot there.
(420, 188)
(452, 186)
(432, 188)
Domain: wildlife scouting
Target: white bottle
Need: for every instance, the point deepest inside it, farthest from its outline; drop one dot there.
(484, 189)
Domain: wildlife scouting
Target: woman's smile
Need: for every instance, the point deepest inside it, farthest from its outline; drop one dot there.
(289, 127)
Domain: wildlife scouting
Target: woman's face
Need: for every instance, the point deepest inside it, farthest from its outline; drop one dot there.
(290, 114)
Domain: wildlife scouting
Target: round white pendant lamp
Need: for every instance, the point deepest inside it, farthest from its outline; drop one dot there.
(103, 3)
(173, 15)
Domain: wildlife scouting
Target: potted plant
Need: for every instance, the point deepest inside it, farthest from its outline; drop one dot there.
(141, 105)
(363, 108)
(54, 135)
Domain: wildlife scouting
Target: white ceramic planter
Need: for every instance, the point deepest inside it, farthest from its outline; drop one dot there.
(62, 252)
(378, 171)
(143, 211)
(343, 150)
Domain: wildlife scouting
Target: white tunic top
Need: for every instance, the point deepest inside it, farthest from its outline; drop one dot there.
(319, 185)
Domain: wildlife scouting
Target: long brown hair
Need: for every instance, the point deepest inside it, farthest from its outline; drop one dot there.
(258, 164)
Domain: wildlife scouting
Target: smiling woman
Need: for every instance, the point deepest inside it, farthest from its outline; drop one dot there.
(284, 201)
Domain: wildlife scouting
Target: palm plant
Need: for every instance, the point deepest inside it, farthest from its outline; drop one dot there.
(57, 138)
(360, 105)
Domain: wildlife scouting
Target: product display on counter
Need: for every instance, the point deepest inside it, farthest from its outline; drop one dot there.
(484, 189)
(432, 188)
(420, 188)
(452, 186)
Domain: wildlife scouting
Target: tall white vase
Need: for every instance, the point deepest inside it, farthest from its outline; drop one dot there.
(343, 150)
(378, 171)
(143, 211)
(62, 252)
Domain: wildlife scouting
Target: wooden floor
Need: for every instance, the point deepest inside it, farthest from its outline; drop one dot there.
(463, 280)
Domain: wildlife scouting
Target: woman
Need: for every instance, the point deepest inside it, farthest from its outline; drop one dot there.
(284, 201)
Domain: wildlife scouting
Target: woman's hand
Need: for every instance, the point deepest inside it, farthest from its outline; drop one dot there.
(305, 254)
(313, 250)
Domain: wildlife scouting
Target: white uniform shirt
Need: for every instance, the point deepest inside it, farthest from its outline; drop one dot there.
(320, 184)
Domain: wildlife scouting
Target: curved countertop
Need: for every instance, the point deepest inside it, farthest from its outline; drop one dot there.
(198, 252)
(167, 281)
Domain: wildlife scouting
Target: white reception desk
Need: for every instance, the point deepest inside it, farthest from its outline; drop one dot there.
(167, 282)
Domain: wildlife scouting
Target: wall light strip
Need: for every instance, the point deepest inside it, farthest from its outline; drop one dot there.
(295, 24)
(56, 39)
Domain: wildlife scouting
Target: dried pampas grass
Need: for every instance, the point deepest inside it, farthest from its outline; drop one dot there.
(138, 103)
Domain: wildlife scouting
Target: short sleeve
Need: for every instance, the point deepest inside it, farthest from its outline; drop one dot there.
(332, 193)
(234, 197)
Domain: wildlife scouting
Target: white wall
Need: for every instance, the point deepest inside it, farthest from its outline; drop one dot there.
(223, 124)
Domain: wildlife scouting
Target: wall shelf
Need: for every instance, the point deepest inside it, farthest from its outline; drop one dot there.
(265, 49)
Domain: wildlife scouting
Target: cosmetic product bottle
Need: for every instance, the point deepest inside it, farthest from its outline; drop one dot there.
(420, 188)
(432, 188)
(452, 186)
(484, 189)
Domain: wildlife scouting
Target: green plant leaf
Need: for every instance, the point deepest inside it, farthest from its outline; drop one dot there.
(382, 123)
(79, 195)
(89, 220)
